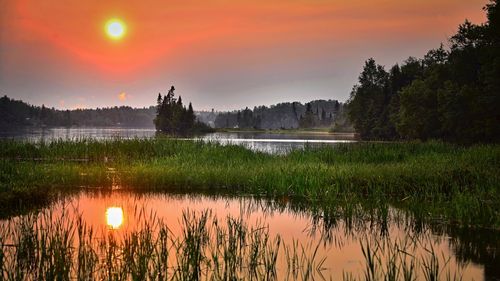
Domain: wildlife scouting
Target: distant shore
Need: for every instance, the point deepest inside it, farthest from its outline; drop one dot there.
(304, 131)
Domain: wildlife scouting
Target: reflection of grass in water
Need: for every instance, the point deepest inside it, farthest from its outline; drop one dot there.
(47, 247)
(441, 181)
(399, 259)
(50, 247)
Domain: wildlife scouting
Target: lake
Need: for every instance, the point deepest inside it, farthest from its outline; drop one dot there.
(257, 141)
(333, 246)
(100, 233)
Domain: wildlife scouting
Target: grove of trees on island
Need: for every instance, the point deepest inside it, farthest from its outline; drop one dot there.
(452, 95)
(172, 117)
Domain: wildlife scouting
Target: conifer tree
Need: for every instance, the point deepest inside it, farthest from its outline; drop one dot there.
(173, 117)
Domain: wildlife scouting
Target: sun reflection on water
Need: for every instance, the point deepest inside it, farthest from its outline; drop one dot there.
(114, 217)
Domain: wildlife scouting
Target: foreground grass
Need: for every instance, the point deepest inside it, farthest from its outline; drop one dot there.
(57, 247)
(49, 246)
(433, 180)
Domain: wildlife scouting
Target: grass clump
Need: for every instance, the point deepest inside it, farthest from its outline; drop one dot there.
(435, 180)
(54, 247)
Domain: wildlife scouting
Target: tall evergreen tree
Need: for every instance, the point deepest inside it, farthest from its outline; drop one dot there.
(307, 121)
(173, 118)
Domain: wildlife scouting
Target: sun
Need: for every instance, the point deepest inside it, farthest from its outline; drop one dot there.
(114, 217)
(115, 29)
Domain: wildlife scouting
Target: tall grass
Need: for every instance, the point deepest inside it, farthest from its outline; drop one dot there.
(436, 180)
(50, 247)
(411, 258)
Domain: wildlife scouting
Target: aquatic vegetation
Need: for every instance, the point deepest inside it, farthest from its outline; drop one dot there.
(387, 259)
(434, 180)
(56, 244)
(53, 247)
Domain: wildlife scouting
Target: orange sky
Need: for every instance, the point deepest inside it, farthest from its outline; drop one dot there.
(220, 54)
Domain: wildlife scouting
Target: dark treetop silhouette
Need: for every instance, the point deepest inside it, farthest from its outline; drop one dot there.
(172, 117)
(16, 114)
(449, 94)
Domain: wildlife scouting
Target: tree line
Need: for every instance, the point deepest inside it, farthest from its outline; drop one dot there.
(15, 114)
(170, 116)
(288, 115)
(451, 93)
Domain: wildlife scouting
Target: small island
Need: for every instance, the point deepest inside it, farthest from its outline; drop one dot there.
(173, 118)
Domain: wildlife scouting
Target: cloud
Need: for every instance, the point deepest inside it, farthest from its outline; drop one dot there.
(122, 96)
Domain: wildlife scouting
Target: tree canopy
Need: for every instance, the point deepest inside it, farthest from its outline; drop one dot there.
(16, 114)
(288, 115)
(172, 117)
(451, 94)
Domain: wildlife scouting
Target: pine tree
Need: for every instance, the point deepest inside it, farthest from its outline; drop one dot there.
(173, 117)
(307, 121)
(190, 116)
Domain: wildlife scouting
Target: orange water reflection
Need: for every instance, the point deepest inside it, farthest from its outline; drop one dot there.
(342, 251)
(126, 212)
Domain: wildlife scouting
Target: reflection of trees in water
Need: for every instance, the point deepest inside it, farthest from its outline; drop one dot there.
(480, 246)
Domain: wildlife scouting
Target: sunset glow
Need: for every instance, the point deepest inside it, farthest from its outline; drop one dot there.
(218, 54)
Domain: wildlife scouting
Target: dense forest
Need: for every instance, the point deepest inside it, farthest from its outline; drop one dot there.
(451, 94)
(318, 113)
(15, 114)
(172, 117)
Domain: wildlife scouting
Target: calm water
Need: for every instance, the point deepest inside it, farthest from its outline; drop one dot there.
(472, 253)
(266, 142)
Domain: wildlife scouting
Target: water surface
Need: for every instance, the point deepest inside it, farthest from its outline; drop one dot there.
(257, 141)
(470, 253)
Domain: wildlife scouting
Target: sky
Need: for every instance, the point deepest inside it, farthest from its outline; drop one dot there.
(221, 54)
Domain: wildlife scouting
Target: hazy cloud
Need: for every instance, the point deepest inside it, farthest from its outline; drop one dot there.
(122, 96)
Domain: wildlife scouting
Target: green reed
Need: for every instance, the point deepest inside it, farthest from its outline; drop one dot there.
(436, 180)
(49, 247)
(398, 259)
(46, 246)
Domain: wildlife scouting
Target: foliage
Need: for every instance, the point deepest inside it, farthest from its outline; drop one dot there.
(449, 94)
(172, 117)
(308, 119)
(15, 114)
(317, 113)
(432, 179)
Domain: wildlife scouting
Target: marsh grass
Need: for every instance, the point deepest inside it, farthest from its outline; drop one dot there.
(411, 258)
(57, 246)
(434, 180)
(53, 247)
